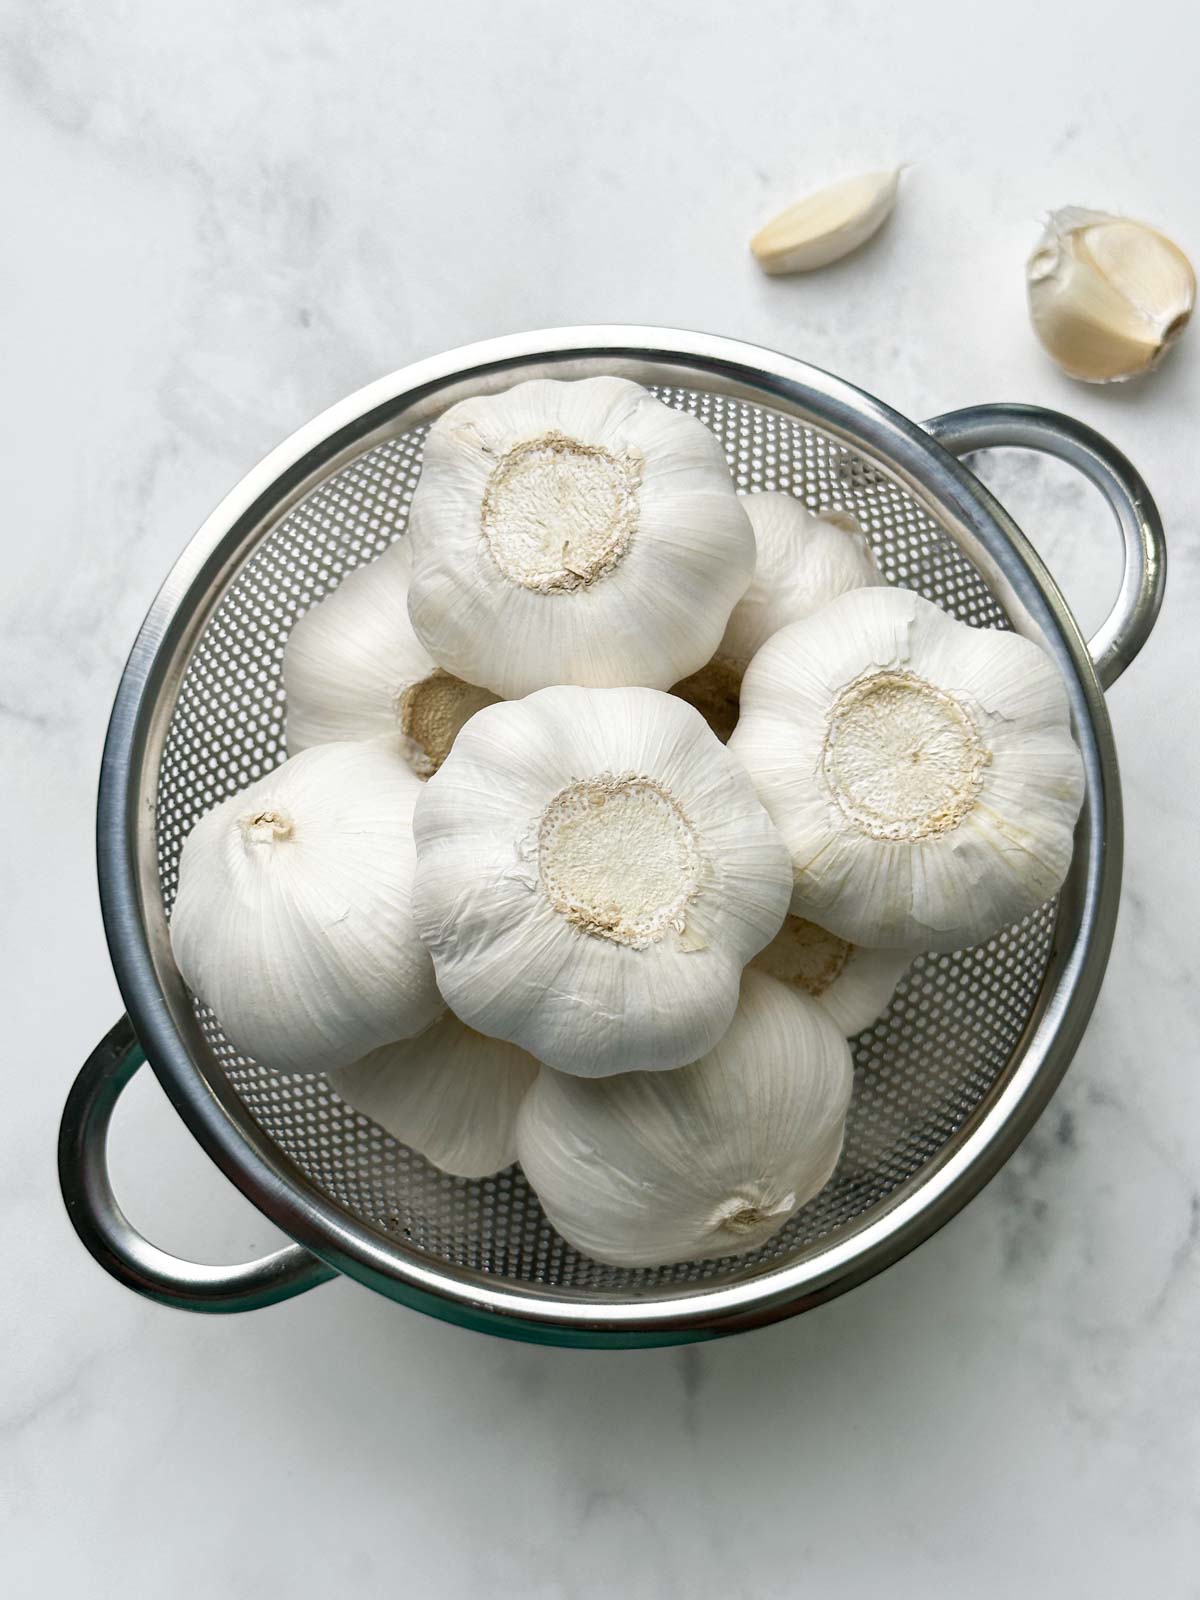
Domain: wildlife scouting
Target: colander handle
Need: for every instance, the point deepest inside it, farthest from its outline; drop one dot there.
(107, 1232)
(1127, 627)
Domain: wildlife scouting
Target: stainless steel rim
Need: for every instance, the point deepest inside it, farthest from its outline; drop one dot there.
(337, 1238)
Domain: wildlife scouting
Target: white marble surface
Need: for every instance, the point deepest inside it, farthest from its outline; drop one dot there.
(219, 218)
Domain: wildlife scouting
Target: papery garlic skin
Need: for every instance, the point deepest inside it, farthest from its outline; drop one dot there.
(293, 919)
(922, 773)
(450, 1094)
(827, 225)
(855, 986)
(646, 1169)
(354, 669)
(1108, 297)
(574, 533)
(594, 872)
(803, 560)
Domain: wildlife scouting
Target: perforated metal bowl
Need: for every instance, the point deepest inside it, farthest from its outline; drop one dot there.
(947, 1082)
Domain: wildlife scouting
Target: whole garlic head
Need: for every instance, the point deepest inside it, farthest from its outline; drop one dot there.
(354, 669)
(922, 772)
(645, 1169)
(574, 533)
(293, 920)
(854, 985)
(593, 873)
(802, 562)
(1108, 297)
(450, 1094)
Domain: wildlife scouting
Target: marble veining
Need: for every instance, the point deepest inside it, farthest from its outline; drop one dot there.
(221, 219)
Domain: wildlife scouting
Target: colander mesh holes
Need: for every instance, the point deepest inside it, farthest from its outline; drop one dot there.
(921, 1071)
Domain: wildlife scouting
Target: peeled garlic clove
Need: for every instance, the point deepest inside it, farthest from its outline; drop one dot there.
(450, 1094)
(574, 533)
(293, 919)
(649, 1168)
(854, 985)
(594, 871)
(354, 669)
(1108, 297)
(802, 562)
(922, 772)
(827, 225)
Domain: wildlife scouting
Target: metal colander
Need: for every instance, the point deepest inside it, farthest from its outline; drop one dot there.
(946, 1082)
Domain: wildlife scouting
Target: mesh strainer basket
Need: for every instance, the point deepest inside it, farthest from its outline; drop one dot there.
(946, 1083)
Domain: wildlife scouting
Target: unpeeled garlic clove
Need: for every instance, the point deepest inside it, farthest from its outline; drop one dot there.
(827, 225)
(1108, 297)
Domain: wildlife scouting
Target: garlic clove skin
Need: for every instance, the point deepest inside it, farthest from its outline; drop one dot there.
(593, 873)
(293, 920)
(1107, 297)
(710, 1161)
(827, 225)
(354, 669)
(803, 560)
(450, 1094)
(855, 986)
(922, 773)
(574, 533)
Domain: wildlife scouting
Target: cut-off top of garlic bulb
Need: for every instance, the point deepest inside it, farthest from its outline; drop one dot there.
(827, 225)
(854, 985)
(450, 1094)
(354, 669)
(594, 872)
(574, 533)
(293, 920)
(645, 1169)
(922, 773)
(1108, 297)
(802, 562)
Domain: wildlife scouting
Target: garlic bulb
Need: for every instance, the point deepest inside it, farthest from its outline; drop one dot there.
(574, 533)
(293, 918)
(854, 985)
(450, 1094)
(802, 562)
(1108, 297)
(649, 1168)
(593, 873)
(354, 669)
(827, 225)
(922, 772)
